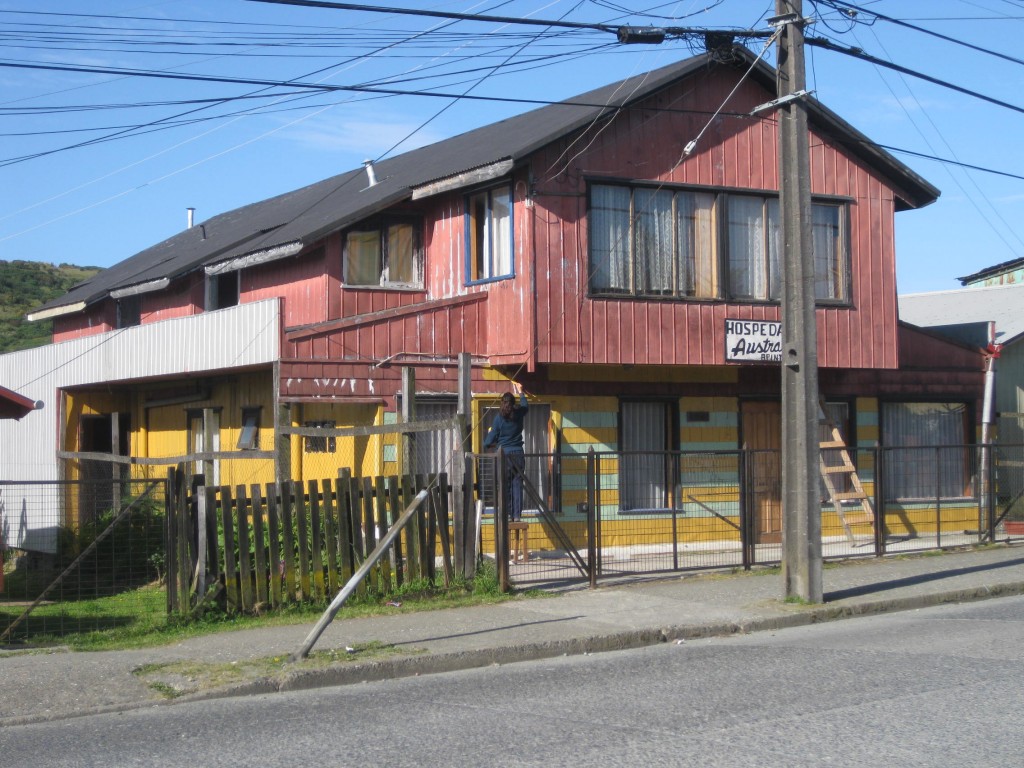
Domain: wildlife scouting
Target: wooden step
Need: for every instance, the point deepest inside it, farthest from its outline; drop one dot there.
(838, 469)
(849, 496)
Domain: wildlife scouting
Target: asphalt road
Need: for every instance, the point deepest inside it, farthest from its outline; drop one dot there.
(935, 687)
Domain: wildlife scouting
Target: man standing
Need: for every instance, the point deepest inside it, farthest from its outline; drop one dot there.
(506, 433)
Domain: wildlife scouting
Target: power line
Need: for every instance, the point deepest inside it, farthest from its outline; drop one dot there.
(671, 31)
(857, 53)
(841, 6)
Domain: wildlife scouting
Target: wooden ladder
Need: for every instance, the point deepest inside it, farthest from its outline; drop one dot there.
(864, 514)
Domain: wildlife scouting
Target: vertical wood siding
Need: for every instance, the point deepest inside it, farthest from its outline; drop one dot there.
(645, 143)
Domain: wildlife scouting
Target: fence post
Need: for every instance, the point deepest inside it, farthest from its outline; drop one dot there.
(880, 521)
(461, 527)
(990, 501)
(171, 537)
(938, 497)
(501, 522)
(470, 531)
(592, 517)
(746, 518)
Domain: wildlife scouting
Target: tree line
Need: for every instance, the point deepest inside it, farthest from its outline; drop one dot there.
(24, 287)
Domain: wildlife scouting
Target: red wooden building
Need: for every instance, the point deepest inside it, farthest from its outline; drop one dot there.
(576, 248)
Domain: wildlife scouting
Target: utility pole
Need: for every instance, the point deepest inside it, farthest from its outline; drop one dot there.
(801, 505)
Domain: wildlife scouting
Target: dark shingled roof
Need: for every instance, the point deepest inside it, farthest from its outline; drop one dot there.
(302, 217)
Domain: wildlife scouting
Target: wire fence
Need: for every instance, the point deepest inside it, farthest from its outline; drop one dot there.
(689, 511)
(88, 556)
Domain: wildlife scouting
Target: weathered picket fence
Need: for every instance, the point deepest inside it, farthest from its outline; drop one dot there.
(265, 546)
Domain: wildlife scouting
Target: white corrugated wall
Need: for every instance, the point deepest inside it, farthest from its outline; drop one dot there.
(246, 335)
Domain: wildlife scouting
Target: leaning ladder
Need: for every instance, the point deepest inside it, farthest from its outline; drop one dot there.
(852, 506)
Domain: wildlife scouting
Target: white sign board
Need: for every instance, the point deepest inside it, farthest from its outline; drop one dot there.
(753, 341)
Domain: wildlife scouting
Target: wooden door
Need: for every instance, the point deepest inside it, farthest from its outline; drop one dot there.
(761, 431)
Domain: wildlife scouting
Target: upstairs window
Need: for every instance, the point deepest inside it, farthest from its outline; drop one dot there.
(653, 242)
(670, 243)
(222, 291)
(754, 242)
(489, 234)
(129, 312)
(385, 253)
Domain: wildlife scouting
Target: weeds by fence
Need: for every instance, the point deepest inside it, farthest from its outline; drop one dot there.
(82, 557)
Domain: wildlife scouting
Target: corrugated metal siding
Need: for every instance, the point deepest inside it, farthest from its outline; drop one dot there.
(242, 336)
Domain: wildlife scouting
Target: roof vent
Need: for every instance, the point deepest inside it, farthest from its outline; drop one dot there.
(370, 174)
(191, 215)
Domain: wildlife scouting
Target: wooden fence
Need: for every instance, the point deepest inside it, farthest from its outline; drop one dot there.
(265, 546)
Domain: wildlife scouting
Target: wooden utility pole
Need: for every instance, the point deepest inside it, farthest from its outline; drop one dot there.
(801, 505)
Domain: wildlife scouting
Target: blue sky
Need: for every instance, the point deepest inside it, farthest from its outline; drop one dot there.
(206, 147)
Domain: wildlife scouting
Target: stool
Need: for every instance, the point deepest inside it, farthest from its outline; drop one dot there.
(519, 541)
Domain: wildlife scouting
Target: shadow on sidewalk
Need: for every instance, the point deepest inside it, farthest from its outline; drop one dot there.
(883, 586)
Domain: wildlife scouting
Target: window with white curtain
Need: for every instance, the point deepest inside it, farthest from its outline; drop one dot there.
(668, 242)
(489, 234)
(647, 241)
(926, 456)
(385, 253)
(645, 468)
(753, 252)
(827, 246)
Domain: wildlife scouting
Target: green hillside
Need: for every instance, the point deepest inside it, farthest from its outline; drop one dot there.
(26, 285)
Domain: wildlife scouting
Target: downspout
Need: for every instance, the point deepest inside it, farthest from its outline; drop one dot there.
(987, 420)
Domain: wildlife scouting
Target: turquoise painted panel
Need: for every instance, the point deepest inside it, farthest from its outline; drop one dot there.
(580, 449)
(709, 446)
(579, 482)
(390, 453)
(589, 419)
(716, 419)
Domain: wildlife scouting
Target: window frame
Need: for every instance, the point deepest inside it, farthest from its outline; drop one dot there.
(320, 443)
(718, 252)
(656, 468)
(222, 291)
(480, 266)
(249, 432)
(381, 225)
(896, 455)
(128, 312)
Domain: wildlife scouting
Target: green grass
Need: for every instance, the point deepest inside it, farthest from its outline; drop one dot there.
(172, 680)
(138, 618)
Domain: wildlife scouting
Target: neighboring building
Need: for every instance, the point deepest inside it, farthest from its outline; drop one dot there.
(1006, 273)
(630, 287)
(993, 313)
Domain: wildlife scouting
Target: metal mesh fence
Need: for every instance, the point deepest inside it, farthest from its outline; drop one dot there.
(678, 511)
(81, 557)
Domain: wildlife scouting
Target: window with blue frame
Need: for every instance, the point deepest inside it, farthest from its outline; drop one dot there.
(489, 234)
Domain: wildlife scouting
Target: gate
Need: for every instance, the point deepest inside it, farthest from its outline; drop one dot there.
(620, 514)
(547, 546)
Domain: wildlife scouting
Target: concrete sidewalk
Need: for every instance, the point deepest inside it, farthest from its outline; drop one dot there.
(49, 685)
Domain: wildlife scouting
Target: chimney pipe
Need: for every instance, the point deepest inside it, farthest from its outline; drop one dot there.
(191, 216)
(368, 164)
